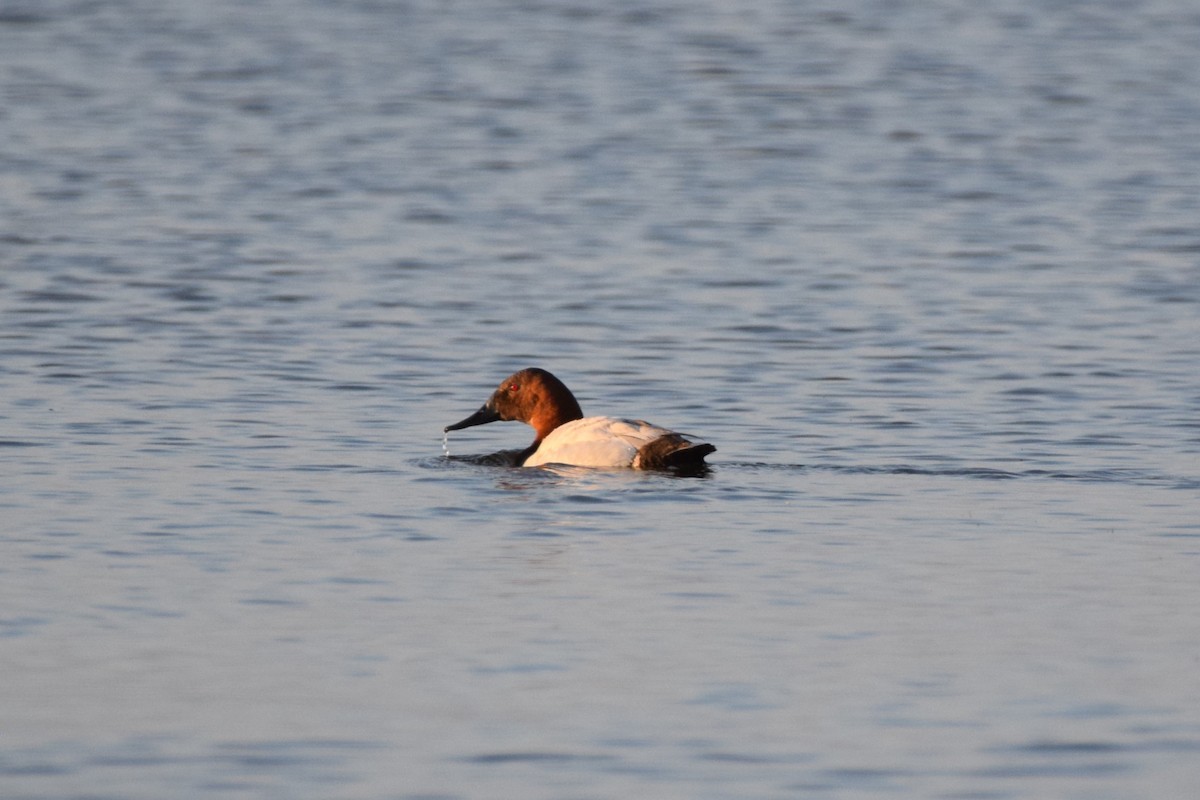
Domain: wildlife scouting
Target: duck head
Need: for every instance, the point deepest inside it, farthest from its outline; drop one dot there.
(533, 396)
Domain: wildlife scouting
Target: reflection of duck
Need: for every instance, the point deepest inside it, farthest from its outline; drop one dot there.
(565, 436)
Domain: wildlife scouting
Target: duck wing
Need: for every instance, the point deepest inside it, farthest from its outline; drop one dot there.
(615, 442)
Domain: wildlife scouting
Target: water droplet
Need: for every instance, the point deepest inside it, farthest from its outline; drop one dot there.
(446, 443)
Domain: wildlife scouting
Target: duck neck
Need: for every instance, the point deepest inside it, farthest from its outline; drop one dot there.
(545, 423)
(549, 416)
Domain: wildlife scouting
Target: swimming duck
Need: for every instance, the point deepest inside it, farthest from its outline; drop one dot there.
(565, 436)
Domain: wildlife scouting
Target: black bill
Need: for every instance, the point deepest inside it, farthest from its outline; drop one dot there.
(481, 417)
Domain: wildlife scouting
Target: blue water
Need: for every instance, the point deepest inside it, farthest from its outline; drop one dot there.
(927, 274)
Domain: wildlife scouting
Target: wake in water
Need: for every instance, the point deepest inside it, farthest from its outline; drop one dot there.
(1121, 476)
(510, 458)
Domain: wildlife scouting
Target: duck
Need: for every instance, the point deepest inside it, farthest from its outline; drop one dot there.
(565, 436)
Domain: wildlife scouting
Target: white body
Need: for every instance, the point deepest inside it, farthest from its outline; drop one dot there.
(596, 442)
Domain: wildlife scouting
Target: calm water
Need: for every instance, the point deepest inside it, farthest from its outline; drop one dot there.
(927, 273)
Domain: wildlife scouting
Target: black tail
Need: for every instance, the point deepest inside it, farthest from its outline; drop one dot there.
(689, 458)
(674, 452)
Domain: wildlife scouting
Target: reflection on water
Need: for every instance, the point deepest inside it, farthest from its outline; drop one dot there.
(927, 278)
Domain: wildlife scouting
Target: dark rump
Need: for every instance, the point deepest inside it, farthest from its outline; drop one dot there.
(674, 452)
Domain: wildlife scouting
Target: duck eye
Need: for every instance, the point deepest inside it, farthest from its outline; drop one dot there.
(512, 387)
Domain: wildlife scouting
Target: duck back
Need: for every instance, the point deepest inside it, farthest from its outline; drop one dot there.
(613, 442)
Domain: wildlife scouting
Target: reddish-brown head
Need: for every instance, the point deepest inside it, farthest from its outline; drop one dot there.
(533, 396)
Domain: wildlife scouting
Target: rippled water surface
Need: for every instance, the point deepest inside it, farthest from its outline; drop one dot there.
(927, 274)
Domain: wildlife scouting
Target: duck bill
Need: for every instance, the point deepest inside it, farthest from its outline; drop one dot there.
(481, 417)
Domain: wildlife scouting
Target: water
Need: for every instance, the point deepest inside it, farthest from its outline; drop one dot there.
(927, 274)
